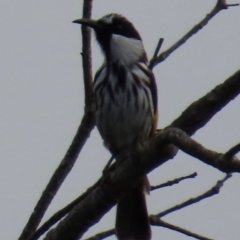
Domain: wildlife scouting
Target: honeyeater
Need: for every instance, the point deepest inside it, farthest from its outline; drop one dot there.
(125, 99)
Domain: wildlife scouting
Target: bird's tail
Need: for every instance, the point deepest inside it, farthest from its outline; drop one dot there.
(132, 221)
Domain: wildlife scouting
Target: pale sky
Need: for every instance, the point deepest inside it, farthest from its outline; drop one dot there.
(41, 104)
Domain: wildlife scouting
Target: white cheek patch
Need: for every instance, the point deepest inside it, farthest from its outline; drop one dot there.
(125, 50)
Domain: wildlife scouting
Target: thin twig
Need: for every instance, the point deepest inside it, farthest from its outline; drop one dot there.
(159, 45)
(221, 5)
(69, 159)
(102, 235)
(173, 182)
(213, 191)
(156, 221)
(159, 222)
(233, 151)
(64, 211)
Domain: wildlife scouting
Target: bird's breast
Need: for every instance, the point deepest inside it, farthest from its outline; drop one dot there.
(123, 106)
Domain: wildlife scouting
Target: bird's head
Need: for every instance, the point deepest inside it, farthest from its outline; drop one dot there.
(113, 31)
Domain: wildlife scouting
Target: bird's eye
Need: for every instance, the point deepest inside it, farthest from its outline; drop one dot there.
(119, 26)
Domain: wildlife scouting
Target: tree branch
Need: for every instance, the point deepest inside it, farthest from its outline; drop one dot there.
(194, 149)
(152, 61)
(213, 191)
(102, 235)
(60, 214)
(156, 221)
(199, 113)
(159, 222)
(233, 151)
(78, 142)
(173, 182)
(157, 151)
(87, 56)
(220, 5)
(64, 211)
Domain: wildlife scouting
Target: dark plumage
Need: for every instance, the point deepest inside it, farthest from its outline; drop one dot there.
(126, 110)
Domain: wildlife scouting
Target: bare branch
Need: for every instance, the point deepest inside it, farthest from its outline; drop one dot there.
(213, 191)
(233, 151)
(220, 5)
(64, 211)
(157, 151)
(200, 112)
(59, 175)
(78, 142)
(159, 45)
(159, 222)
(155, 221)
(102, 235)
(173, 182)
(193, 148)
(87, 56)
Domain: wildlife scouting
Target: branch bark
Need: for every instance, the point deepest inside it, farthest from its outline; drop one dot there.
(199, 113)
(173, 182)
(211, 192)
(161, 223)
(77, 144)
(156, 220)
(220, 5)
(138, 162)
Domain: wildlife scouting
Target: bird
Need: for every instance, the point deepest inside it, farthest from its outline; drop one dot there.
(126, 115)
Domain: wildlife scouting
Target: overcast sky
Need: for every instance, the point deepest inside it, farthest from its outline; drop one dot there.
(41, 104)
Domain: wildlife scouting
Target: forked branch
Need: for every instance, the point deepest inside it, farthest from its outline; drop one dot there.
(220, 5)
(157, 221)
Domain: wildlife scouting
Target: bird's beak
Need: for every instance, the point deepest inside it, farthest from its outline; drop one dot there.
(88, 22)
